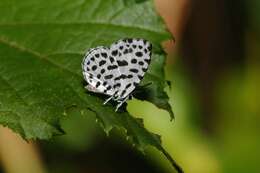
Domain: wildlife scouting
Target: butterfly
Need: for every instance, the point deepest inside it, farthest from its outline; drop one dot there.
(118, 69)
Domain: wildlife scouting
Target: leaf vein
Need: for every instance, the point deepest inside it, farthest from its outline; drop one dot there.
(85, 23)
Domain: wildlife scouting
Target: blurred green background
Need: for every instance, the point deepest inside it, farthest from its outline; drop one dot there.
(214, 68)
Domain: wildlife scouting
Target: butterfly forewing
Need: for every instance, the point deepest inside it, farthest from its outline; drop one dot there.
(133, 57)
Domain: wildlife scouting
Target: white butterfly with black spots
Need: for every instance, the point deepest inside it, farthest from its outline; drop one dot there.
(118, 69)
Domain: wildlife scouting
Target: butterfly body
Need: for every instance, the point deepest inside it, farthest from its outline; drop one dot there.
(118, 69)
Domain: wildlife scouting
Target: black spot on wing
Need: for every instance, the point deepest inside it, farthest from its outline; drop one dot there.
(130, 76)
(108, 76)
(109, 87)
(102, 71)
(114, 52)
(141, 63)
(122, 76)
(139, 54)
(97, 84)
(117, 85)
(94, 67)
(102, 62)
(134, 70)
(129, 40)
(111, 59)
(125, 51)
(133, 61)
(104, 54)
(140, 77)
(117, 78)
(116, 92)
(111, 67)
(144, 69)
(97, 55)
(122, 63)
(128, 85)
(148, 61)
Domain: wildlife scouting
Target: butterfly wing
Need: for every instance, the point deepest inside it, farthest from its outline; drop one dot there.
(116, 71)
(99, 70)
(133, 57)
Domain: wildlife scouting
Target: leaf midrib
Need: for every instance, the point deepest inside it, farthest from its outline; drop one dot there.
(165, 34)
(41, 57)
(34, 53)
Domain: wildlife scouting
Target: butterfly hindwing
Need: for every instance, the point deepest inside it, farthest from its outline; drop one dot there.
(98, 65)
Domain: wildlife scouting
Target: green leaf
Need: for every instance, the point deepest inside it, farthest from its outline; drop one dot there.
(154, 84)
(42, 43)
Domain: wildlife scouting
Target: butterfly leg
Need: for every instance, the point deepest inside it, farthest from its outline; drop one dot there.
(107, 100)
(121, 102)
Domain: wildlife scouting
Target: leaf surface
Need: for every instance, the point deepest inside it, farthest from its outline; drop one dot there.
(42, 43)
